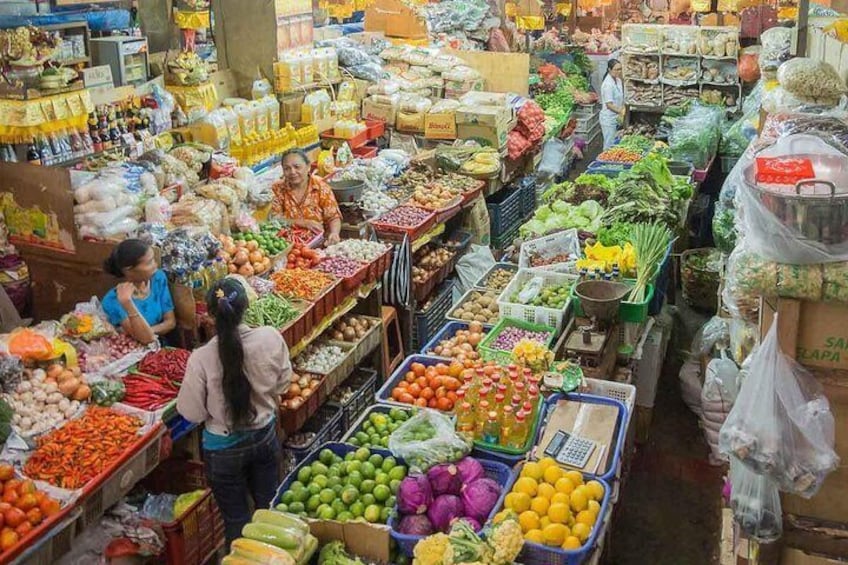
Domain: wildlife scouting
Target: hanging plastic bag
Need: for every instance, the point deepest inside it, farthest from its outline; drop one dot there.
(781, 424)
(721, 381)
(755, 501)
(427, 439)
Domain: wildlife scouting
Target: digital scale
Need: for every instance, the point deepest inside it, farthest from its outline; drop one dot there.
(571, 450)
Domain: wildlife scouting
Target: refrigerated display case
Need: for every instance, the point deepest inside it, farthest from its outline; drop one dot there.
(126, 55)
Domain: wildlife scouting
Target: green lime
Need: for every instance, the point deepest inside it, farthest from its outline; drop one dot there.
(382, 493)
(384, 515)
(376, 439)
(388, 464)
(361, 437)
(394, 485)
(304, 475)
(282, 508)
(334, 470)
(325, 512)
(326, 457)
(313, 503)
(354, 479)
(338, 506)
(297, 508)
(333, 481)
(368, 499)
(372, 514)
(319, 468)
(349, 495)
(345, 516)
(384, 442)
(354, 440)
(357, 509)
(296, 486)
(327, 495)
(398, 473)
(287, 498)
(382, 478)
(376, 460)
(367, 486)
(321, 480)
(349, 456)
(337, 488)
(313, 488)
(353, 466)
(391, 502)
(368, 470)
(362, 454)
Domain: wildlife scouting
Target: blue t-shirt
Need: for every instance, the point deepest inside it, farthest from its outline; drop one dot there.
(152, 308)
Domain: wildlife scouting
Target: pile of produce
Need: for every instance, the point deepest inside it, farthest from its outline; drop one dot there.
(429, 260)
(511, 336)
(107, 392)
(560, 215)
(635, 142)
(429, 503)
(301, 283)
(341, 267)
(500, 545)
(335, 553)
(600, 259)
(619, 155)
(462, 344)
(585, 187)
(273, 537)
(269, 238)
(499, 279)
(44, 400)
(94, 356)
(302, 257)
(25, 507)
(85, 325)
(301, 388)
(429, 387)
(618, 233)
(405, 217)
(700, 274)
(483, 163)
(296, 234)
(363, 484)
(480, 306)
(148, 392)
(166, 363)
(356, 249)
(353, 328)
(320, 358)
(376, 202)
(555, 507)
(538, 259)
(436, 196)
(244, 257)
(551, 296)
(642, 94)
(377, 428)
(79, 451)
(270, 310)
(533, 354)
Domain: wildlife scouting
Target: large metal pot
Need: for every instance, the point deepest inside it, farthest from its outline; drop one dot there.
(815, 209)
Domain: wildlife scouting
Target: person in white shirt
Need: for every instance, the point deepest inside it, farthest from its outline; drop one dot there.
(612, 102)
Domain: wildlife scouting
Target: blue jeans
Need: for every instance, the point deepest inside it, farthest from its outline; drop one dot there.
(250, 468)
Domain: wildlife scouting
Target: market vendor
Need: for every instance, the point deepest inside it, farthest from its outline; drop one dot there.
(306, 200)
(142, 304)
(232, 385)
(612, 102)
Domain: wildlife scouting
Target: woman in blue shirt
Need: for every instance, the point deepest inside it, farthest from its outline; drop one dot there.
(142, 304)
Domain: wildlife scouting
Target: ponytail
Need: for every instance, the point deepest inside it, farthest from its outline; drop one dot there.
(227, 302)
(610, 66)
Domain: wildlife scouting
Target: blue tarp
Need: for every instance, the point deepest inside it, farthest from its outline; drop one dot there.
(100, 20)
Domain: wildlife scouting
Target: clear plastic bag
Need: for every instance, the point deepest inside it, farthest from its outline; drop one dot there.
(427, 439)
(713, 334)
(781, 100)
(554, 156)
(88, 321)
(755, 501)
(810, 78)
(695, 137)
(721, 382)
(781, 425)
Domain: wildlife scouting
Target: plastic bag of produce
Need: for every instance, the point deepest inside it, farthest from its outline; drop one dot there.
(30, 345)
(755, 501)
(781, 425)
(554, 156)
(427, 439)
(88, 321)
(810, 78)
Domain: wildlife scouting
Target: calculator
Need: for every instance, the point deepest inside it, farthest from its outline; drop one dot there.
(575, 452)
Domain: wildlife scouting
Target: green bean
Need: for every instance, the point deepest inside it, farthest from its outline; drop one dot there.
(270, 310)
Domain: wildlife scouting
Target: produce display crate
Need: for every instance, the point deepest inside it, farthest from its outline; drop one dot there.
(706, 299)
(394, 232)
(624, 393)
(489, 353)
(196, 536)
(461, 302)
(621, 422)
(564, 242)
(375, 128)
(700, 175)
(552, 317)
(458, 242)
(481, 282)
(505, 239)
(494, 470)
(681, 169)
(635, 312)
(378, 266)
(587, 110)
(470, 195)
(504, 211)
(297, 329)
(293, 420)
(536, 554)
(446, 332)
(139, 459)
(46, 544)
(449, 211)
(528, 199)
(330, 140)
(326, 302)
(421, 290)
(507, 455)
(589, 138)
(374, 408)
(326, 424)
(370, 341)
(353, 281)
(587, 123)
(426, 322)
(364, 381)
(384, 395)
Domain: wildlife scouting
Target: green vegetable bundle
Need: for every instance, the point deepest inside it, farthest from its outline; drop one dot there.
(270, 310)
(651, 243)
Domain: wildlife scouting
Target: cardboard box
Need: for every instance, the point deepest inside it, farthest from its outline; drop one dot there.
(821, 338)
(492, 116)
(454, 89)
(440, 126)
(368, 541)
(372, 110)
(492, 136)
(410, 122)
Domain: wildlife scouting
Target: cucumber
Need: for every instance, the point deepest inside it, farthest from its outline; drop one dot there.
(281, 519)
(273, 535)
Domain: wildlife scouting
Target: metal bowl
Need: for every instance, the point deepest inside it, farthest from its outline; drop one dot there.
(347, 190)
(600, 299)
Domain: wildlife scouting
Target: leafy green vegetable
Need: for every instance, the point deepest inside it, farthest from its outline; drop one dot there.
(561, 215)
(618, 233)
(637, 143)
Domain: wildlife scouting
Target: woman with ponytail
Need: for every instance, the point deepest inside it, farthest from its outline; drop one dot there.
(232, 385)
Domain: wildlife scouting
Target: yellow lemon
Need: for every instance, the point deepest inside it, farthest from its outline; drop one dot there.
(571, 543)
(503, 515)
(594, 507)
(518, 501)
(526, 485)
(575, 477)
(586, 517)
(540, 505)
(579, 501)
(585, 491)
(544, 522)
(553, 474)
(581, 531)
(555, 534)
(559, 513)
(597, 490)
(561, 498)
(564, 485)
(532, 470)
(546, 490)
(535, 536)
(546, 462)
(528, 520)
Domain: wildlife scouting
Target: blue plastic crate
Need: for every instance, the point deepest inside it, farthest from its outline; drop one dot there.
(384, 395)
(620, 427)
(536, 554)
(504, 211)
(327, 425)
(661, 284)
(446, 332)
(427, 322)
(499, 472)
(380, 409)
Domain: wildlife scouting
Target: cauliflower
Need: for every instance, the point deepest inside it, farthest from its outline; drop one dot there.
(433, 550)
(507, 540)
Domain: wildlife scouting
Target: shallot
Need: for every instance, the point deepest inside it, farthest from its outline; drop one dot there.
(341, 267)
(510, 336)
(404, 216)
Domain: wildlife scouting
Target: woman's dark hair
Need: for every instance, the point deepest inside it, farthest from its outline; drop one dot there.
(227, 302)
(125, 255)
(300, 153)
(611, 65)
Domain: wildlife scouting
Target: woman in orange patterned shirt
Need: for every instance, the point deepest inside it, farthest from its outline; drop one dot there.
(304, 199)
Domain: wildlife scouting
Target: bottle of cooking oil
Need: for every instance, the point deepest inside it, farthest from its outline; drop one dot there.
(507, 423)
(518, 432)
(491, 429)
(482, 414)
(465, 421)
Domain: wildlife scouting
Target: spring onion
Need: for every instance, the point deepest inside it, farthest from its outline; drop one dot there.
(650, 242)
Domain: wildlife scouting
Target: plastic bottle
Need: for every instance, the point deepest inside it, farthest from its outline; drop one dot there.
(516, 402)
(491, 429)
(307, 74)
(482, 411)
(507, 424)
(520, 390)
(465, 421)
(261, 86)
(519, 431)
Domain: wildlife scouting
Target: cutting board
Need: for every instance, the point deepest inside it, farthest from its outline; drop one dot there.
(590, 421)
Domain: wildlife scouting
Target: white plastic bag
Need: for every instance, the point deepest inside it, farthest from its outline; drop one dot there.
(781, 424)
(531, 290)
(721, 381)
(554, 155)
(473, 265)
(755, 502)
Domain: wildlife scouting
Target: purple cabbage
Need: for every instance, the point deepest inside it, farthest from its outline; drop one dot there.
(415, 525)
(444, 510)
(480, 497)
(445, 479)
(469, 470)
(414, 495)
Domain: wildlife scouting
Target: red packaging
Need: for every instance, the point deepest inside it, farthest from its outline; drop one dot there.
(783, 170)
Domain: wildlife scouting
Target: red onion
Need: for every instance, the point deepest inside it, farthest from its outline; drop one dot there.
(404, 216)
(510, 336)
(341, 267)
